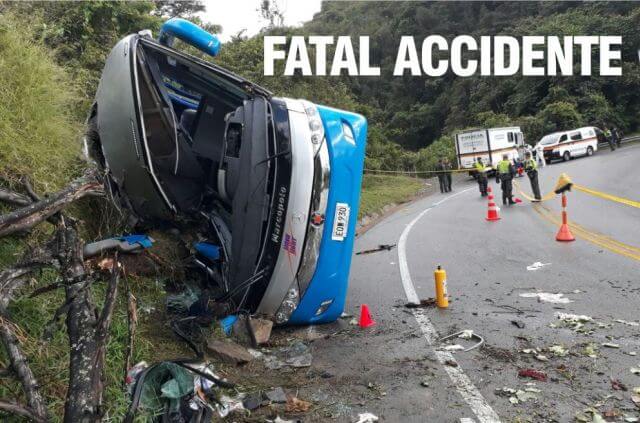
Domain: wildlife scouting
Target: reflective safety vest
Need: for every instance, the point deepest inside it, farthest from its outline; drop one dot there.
(503, 166)
(530, 165)
(607, 133)
(479, 166)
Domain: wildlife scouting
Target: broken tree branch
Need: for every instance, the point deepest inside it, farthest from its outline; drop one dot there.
(28, 216)
(14, 198)
(20, 410)
(132, 324)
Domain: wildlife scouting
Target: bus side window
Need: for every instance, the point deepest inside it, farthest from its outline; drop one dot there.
(575, 136)
(563, 138)
(510, 136)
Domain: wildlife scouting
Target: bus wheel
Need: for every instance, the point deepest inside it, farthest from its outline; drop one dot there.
(589, 151)
(566, 156)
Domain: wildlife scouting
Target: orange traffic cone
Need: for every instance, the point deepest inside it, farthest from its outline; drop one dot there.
(492, 213)
(365, 317)
(564, 234)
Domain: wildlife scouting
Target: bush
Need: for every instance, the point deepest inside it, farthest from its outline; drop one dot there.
(38, 135)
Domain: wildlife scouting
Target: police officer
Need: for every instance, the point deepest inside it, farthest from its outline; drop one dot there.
(608, 137)
(441, 176)
(617, 138)
(447, 174)
(504, 174)
(481, 176)
(531, 167)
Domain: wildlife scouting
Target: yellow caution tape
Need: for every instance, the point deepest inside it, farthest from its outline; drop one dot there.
(607, 196)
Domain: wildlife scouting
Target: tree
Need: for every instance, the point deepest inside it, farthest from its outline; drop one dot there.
(271, 12)
(178, 8)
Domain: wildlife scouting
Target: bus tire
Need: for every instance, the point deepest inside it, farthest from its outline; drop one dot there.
(566, 156)
(589, 151)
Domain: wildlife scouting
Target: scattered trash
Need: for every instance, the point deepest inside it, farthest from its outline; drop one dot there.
(616, 385)
(252, 401)
(228, 351)
(428, 302)
(454, 347)
(296, 405)
(636, 390)
(276, 395)
(227, 324)
(518, 396)
(574, 321)
(625, 322)
(636, 400)
(610, 345)
(590, 350)
(533, 374)
(558, 350)
(296, 355)
(547, 297)
(581, 318)
(464, 334)
(227, 405)
(635, 370)
(517, 323)
(424, 383)
(537, 265)
(367, 418)
(632, 353)
(541, 357)
(179, 389)
(381, 247)
(451, 363)
(280, 420)
(181, 303)
(346, 315)
(631, 419)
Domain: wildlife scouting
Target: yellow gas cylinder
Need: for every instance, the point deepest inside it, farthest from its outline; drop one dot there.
(440, 276)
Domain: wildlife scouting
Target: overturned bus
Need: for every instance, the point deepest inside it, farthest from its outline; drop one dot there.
(274, 181)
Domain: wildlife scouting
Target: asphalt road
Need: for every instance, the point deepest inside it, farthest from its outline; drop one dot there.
(383, 370)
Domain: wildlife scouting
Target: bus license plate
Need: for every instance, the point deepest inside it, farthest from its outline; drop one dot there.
(340, 222)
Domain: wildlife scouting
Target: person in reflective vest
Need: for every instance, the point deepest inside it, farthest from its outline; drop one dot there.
(531, 167)
(481, 176)
(504, 174)
(609, 138)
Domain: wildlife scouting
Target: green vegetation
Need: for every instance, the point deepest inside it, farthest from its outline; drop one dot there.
(38, 135)
(381, 190)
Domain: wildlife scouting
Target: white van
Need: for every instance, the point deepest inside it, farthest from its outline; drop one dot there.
(488, 144)
(568, 144)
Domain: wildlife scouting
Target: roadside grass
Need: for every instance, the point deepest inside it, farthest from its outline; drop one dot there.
(381, 190)
(39, 136)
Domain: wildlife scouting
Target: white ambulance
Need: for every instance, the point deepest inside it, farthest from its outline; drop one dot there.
(568, 144)
(489, 144)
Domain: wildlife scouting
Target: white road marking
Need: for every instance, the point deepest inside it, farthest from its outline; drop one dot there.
(463, 384)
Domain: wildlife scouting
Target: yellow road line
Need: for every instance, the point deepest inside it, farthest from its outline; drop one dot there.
(600, 240)
(546, 197)
(607, 196)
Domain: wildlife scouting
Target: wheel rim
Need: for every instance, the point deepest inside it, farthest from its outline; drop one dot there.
(589, 151)
(565, 156)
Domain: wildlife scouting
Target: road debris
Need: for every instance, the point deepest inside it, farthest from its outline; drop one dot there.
(635, 370)
(616, 385)
(625, 322)
(573, 321)
(227, 405)
(547, 297)
(590, 350)
(276, 395)
(381, 247)
(533, 374)
(558, 350)
(228, 351)
(367, 418)
(537, 265)
(636, 400)
(518, 323)
(296, 405)
(541, 357)
(251, 331)
(610, 345)
(296, 355)
(463, 334)
(428, 302)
